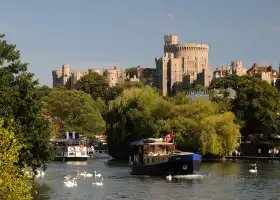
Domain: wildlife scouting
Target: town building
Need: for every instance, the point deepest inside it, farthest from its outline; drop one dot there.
(266, 73)
(182, 66)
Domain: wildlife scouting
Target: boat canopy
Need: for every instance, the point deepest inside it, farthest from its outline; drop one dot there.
(145, 141)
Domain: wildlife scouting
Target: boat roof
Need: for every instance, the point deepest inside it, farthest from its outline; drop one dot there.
(159, 143)
(150, 141)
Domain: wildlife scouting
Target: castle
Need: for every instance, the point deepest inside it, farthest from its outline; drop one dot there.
(70, 79)
(182, 66)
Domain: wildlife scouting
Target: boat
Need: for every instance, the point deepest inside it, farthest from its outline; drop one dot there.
(70, 150)
(155, 157)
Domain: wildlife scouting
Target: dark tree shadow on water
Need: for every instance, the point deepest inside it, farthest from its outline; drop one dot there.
(40, 191)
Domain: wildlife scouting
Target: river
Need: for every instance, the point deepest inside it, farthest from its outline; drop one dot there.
(222, 181)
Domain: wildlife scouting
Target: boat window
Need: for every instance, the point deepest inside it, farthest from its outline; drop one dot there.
(170, 149)
(152, 149)
(161, 149)
(145, 149)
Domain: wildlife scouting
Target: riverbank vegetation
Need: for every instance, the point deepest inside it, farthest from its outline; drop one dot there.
(28, 143)
(256, 106)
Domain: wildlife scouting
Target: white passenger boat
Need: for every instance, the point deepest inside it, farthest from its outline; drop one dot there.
(70, 150)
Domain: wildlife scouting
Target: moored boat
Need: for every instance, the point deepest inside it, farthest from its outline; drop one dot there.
(155, 157)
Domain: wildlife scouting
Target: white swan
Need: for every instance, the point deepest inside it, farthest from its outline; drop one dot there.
(169, 177)
(97, 175)
(40, 173)
(88, 175)
(67, 177)
(71, 183)
(83, 173)
(253, 170)
(98, 183)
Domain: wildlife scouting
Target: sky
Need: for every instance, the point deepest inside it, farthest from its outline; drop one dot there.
(127, 33)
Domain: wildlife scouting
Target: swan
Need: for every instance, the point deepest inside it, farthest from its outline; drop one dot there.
(83, 173)
(97, 175)
(67, 177)
(169, 177)
(88, 175)
(42, 173)
(253, 170)
(71, 183)
(98, 183)
(74, 181)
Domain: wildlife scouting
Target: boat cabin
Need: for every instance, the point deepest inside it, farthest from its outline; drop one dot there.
(152, 151)
(68, 147)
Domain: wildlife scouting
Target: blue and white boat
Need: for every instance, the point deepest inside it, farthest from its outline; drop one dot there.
(157, 158)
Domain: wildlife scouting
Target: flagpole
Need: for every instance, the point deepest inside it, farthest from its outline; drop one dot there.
(170, 17)
(171, 25)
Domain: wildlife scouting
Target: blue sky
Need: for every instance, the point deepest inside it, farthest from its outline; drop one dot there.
(103, 33)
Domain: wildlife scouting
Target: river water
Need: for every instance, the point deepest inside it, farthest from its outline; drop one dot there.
(221, 181)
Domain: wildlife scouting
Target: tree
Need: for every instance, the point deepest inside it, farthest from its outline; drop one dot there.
(76, 110)
(141, 113)
(199, 87)
(18, 101)
(113, 93)
(13, 183)
(256, 105)
(130, 117)
(94, 84)
(219, 134)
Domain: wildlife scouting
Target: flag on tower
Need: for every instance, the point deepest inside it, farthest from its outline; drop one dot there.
(169, 16)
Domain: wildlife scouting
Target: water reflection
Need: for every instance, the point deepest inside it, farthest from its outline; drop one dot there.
(40, 191)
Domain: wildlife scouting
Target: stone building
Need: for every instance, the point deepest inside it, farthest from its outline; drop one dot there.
(115, 76)
(234, 69)
(182, 66)
(70, 79)
(266, 73)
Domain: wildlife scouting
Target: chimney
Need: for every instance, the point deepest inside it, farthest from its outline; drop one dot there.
(67, 135)
(73, 135)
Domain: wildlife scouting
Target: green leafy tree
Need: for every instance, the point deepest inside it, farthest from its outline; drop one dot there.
(199, 87)
(113, 93)
(141, 113)
(13, 183)
(76, 110)
(256, 105)
(94, 84)
(18, 101)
